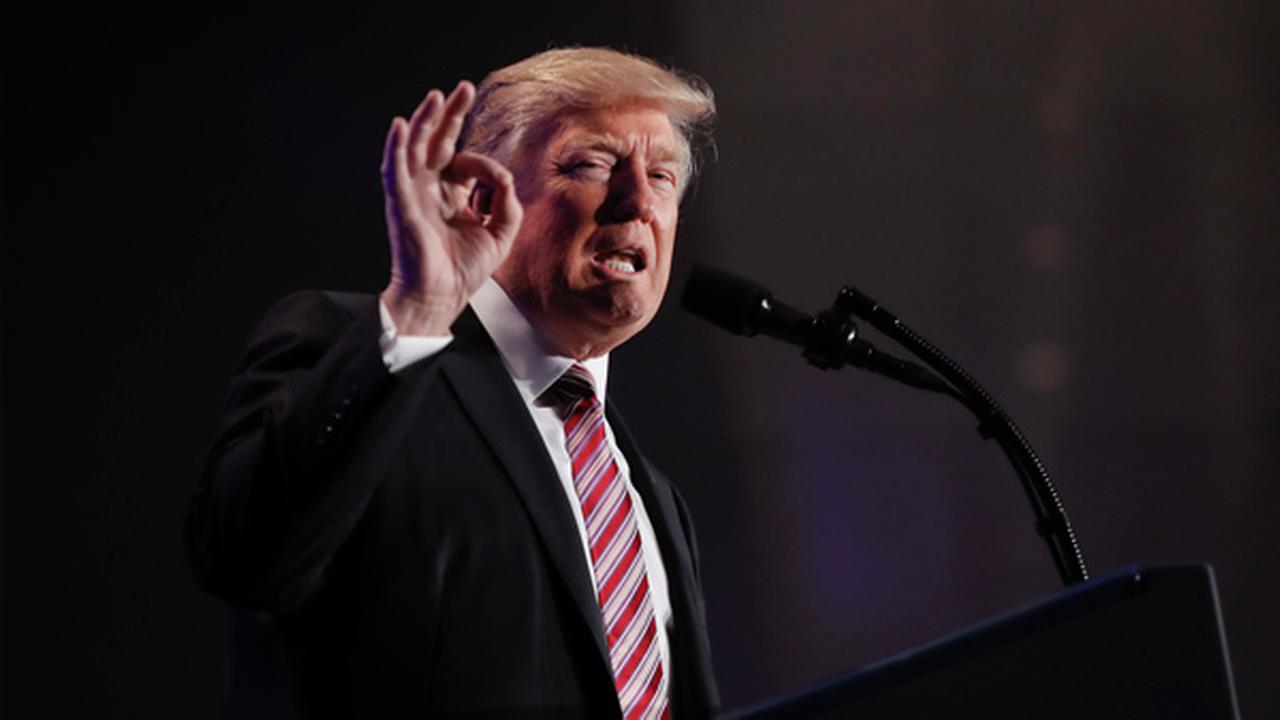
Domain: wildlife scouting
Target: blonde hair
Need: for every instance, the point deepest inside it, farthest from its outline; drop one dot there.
(517, 103)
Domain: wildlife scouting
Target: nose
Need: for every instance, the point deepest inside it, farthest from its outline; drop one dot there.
(631, 195)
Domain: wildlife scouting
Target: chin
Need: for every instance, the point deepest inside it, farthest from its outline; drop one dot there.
(606, 316)
(610, 328)
(630, 310)
(630, 313)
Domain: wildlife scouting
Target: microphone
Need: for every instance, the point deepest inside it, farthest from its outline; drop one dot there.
(829, 341)
(741, 306)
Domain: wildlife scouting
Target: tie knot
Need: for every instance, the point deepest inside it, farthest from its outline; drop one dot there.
(574, 384)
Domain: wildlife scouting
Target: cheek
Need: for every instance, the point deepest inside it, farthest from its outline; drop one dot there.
(666, 241)
(541, 247)
(662, 278)
(668, 216)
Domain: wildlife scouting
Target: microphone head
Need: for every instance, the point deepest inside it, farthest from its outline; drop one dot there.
(734, 303)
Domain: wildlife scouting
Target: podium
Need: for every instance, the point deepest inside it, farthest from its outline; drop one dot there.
(1144, 642)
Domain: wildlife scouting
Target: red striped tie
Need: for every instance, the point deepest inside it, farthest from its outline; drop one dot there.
(622, 585)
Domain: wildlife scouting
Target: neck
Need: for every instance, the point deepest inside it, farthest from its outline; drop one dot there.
(575, 339)
(578, 349)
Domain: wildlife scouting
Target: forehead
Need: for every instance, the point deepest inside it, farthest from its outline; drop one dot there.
(626, 129)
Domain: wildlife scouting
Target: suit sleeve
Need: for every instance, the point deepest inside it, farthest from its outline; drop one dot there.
(307, 426)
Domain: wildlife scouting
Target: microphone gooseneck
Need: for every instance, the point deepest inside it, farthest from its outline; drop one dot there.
(830, 340)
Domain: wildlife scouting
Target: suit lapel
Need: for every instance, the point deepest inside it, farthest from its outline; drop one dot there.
(691, 661)
(661, 510)
(486, 392)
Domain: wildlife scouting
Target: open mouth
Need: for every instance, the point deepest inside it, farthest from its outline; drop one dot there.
(623, 261)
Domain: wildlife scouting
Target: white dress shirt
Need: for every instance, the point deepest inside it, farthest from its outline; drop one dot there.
(534, 368)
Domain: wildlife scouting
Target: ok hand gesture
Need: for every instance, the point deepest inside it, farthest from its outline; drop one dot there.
(445, 239)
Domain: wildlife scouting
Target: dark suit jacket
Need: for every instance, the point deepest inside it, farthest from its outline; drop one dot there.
(400, 545)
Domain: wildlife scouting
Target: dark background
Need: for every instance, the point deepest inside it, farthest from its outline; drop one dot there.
(1076, 200)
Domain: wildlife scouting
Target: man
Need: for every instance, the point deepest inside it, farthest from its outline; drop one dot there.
(421, 504)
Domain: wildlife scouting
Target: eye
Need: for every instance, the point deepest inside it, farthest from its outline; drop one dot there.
(587, 168)
(664, 178)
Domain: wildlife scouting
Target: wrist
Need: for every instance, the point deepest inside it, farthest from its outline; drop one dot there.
(414, 315)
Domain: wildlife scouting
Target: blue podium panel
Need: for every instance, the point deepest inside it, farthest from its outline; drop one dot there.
(1142, 643)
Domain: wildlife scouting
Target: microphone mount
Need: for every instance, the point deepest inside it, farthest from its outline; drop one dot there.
(833, 341)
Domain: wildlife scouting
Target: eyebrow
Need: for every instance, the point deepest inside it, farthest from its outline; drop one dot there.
(610, 143)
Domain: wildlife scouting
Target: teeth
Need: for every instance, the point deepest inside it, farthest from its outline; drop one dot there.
(620, 264)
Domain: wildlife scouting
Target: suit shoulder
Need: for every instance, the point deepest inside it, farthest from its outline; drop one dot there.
(306, 322)
(318, 307)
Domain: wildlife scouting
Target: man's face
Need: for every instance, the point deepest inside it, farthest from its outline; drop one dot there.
(601, 199)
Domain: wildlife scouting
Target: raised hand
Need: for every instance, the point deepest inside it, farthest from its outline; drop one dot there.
(444, 241)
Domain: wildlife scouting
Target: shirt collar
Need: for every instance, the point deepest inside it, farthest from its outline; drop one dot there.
(529, 359)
